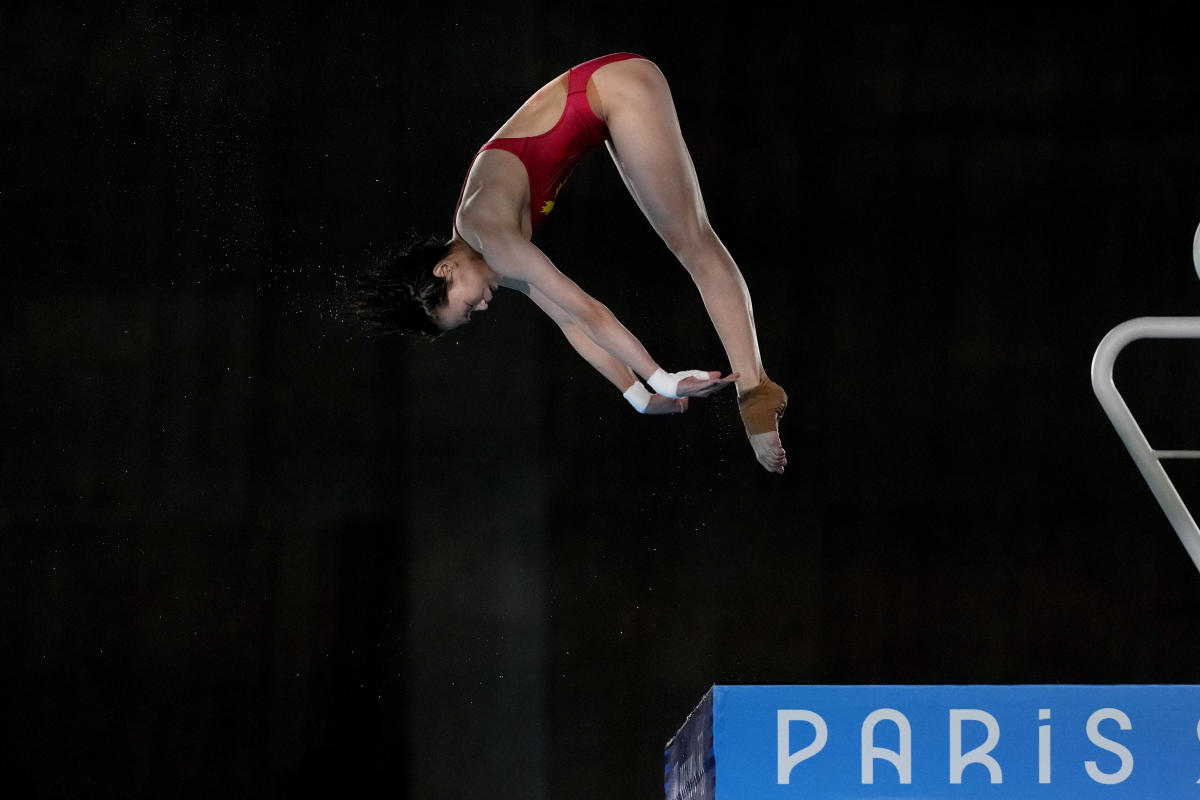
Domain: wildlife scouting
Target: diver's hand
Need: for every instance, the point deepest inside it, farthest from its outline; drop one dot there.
(695, 386)
(666, 405)
(689, 383)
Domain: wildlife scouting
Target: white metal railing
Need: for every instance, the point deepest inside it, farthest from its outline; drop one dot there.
(1148, 460)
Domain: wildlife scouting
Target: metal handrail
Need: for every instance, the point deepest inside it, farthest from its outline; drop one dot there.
(1148, 460)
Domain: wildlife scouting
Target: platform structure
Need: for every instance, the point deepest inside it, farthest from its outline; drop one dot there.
(977, 742)
(1148, 459)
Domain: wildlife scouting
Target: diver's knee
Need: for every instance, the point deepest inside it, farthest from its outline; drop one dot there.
(693, 244)
(685, 237)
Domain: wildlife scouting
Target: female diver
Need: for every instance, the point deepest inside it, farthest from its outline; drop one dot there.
(434, 285)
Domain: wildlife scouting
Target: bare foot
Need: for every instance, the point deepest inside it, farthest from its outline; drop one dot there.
(761, 408)
(770, 451)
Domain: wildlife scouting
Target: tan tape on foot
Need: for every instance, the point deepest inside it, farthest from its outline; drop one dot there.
(762, 407)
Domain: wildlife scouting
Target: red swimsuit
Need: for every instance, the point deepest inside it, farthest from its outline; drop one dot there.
(550, 157)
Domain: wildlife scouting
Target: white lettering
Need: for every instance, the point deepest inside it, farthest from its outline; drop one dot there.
(979, 755)
(1104, 743)
(787, 760)
(1043, 747)
(901, 760)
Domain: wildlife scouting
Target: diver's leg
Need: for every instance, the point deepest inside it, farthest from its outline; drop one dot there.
(648, 149)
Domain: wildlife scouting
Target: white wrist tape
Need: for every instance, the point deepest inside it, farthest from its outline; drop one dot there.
(667, 383)
(638, 396)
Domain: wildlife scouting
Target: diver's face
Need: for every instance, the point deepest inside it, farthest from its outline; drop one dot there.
(471, 285)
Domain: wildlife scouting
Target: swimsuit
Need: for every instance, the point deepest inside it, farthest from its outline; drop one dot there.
(550, 157)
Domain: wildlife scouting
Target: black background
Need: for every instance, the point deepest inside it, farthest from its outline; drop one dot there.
(248, 552)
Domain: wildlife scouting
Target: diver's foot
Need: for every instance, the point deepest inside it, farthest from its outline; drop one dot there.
(769, 451)
(761, 409)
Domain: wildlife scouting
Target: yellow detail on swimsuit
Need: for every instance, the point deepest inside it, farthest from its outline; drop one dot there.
(548, 206)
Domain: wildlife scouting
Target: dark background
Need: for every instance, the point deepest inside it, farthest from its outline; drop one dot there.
(248, 552)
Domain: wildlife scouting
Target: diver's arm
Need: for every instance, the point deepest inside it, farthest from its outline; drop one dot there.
(617, 373)
(488, 225)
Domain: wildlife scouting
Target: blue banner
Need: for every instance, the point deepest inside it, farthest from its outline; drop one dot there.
(1046, 741)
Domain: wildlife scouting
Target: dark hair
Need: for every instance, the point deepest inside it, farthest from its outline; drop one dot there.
(398, 292)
